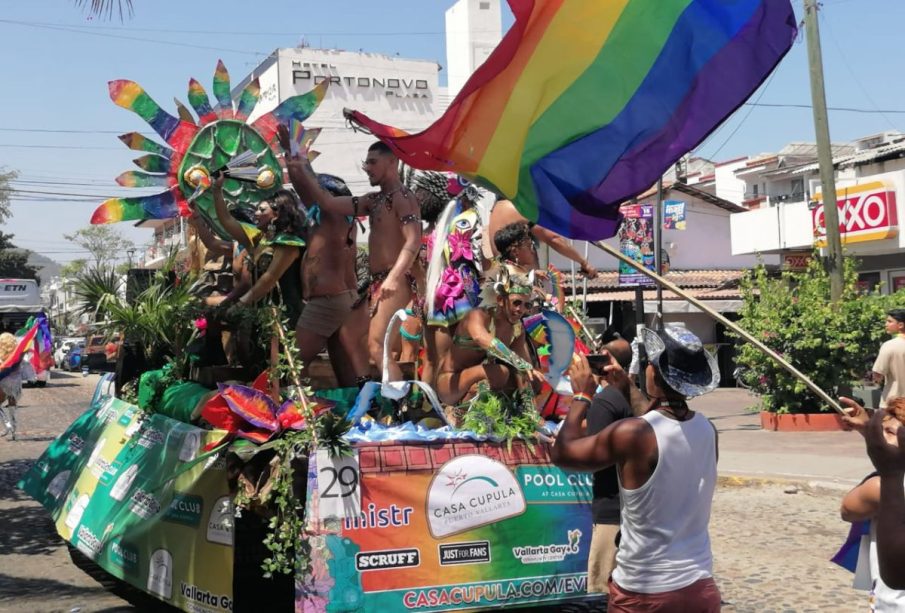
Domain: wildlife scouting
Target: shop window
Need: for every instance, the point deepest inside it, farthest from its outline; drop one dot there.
(868, 282)
(896, 280)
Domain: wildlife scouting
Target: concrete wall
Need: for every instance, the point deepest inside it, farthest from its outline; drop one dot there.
(705, 244)
(728, 186)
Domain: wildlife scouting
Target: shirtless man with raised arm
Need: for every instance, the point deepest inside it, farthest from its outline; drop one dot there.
(329, 282)
(393, 243)
(504, 213)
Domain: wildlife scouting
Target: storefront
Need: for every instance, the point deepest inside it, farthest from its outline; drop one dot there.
(870, 189)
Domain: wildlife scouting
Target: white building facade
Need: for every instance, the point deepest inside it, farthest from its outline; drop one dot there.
(870, 194)
(402, 92)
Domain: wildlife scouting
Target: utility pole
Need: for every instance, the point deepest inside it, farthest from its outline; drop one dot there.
(658, 248)
(833, 261)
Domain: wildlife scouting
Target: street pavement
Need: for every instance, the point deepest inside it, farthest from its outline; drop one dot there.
(819, 458)
(36, 574)
(771, 546)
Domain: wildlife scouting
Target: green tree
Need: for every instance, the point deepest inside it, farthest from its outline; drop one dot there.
(14, 261)
(73, 269)
(104, 244)
(833, 343)
(6, 177)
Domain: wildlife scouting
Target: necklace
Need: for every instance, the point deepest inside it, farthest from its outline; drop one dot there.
(671, 406)
(386, 199)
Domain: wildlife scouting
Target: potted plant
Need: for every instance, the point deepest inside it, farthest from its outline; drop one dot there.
(833, 343)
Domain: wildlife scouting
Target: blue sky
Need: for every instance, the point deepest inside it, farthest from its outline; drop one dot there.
(57, 61)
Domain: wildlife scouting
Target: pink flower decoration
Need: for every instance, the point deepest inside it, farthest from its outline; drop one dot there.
(201, 324)
(451, 288)
(460, 246)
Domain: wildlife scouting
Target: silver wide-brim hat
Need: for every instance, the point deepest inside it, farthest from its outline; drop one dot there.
(680, 358)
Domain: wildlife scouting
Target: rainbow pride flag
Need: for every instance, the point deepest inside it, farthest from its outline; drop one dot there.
(585, 103)
(35, 336)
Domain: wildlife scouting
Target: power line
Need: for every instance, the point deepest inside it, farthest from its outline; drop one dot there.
(845, 109)
(74, 183)
(29, 191)
(79, 147)
(60, 131)
(848, 67)
(748, 114)
(72, 30)
(245, 32)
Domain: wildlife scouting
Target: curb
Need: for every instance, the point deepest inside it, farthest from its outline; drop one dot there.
(792, 485)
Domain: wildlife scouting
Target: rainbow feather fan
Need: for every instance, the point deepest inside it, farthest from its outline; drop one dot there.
(194, 150)
(585, 103)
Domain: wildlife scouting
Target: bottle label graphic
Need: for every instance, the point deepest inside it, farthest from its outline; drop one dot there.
(74, 518)
(122, 485)
(189, 448)
(55, 487)
(160, 574)
(220, 522)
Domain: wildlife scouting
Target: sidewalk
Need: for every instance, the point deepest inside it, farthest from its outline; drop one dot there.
(831, 459)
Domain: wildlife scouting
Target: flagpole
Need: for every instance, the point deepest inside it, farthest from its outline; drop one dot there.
(731, 325)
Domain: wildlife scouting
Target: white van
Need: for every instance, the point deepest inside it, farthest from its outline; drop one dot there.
(19, 300)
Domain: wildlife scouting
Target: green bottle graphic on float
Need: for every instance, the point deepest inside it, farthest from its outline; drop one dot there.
(140, 489)
(53, 476)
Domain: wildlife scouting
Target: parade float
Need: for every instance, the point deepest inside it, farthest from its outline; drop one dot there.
(205, 487)
(207, 499)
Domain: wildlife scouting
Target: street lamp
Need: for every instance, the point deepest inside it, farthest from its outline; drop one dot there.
(130, 252)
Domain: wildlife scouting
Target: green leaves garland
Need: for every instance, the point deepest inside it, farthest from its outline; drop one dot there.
(497, 415)
(287, 540)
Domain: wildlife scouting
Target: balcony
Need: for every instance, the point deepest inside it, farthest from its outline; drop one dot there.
(751, 201)
(787, 225)
(166, 242)
(793, 197)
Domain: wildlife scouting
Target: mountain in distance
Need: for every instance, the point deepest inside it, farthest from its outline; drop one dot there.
(47, 268)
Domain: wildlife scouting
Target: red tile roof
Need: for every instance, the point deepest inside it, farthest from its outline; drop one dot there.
(709, 279)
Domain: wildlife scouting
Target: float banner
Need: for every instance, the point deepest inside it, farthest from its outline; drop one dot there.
(135, 494)
(445, 527)
(636, 241)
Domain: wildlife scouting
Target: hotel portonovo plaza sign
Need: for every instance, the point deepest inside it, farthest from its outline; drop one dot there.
(399, 87)
(867, 212)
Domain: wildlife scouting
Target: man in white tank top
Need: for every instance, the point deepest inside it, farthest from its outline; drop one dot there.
(666, 464)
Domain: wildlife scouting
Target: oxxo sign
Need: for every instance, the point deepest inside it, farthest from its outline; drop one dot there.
(866, 213)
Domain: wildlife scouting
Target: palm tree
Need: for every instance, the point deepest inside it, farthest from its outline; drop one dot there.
(106, 8)
(94, 288)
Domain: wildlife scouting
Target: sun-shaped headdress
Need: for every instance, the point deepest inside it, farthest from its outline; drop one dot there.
(221, 140)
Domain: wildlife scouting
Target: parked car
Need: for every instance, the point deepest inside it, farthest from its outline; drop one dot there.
(59, 356)
(100, 352)
(73, 359)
